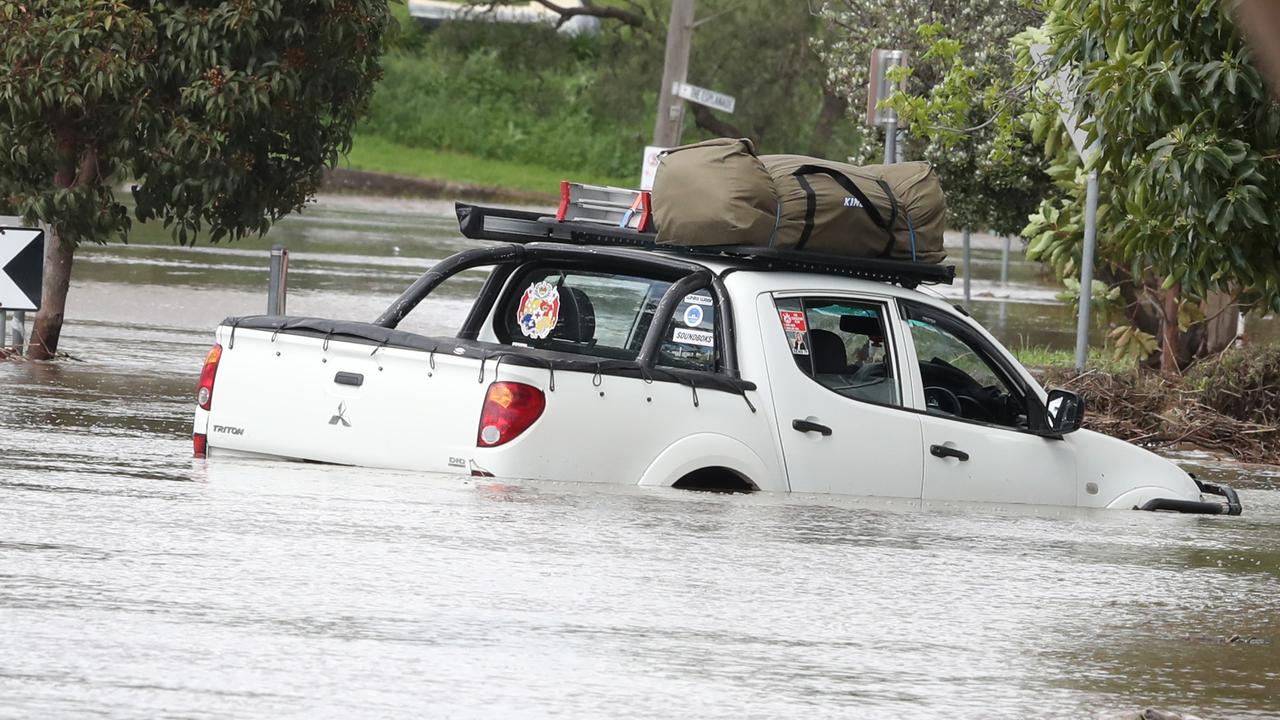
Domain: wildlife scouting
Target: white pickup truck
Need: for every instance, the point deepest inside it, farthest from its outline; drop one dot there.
(593, 355)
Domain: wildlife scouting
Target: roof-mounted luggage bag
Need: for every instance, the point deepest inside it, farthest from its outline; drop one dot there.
(715, 192)
(890, 211)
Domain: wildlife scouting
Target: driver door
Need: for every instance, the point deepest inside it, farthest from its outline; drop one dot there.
(977, 446)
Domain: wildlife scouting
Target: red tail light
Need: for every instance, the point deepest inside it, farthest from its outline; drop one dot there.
(509, 409)
(200, 442)
(204, 394)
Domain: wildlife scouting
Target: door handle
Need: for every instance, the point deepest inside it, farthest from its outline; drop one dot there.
(806, 426)
(943, 451)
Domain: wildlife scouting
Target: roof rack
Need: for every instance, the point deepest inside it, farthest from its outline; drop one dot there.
(522, 226)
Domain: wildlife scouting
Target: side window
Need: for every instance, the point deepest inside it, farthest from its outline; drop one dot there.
(606, 315)
(690, 340)
(843, 345)
(960, 379)
(577, 311)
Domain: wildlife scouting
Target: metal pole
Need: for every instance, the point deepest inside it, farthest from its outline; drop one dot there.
(1086, 270)
(4, 322)
(278, 283)
(965, 235)
(675, 69)
(891, 140)
(1004, 262)
(20, 332)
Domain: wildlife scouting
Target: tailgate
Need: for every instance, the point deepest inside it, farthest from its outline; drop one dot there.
(309, 398)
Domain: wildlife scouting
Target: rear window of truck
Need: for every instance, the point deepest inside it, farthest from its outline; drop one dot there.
(606, 315)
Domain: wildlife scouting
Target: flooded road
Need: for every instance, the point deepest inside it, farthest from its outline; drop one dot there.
(138, 582)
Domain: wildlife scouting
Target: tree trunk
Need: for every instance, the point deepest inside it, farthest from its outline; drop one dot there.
(833, 112)
(53, 302)
(1222, 323)
(1169, 333)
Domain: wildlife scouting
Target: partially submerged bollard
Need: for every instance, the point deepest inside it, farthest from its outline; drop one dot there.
(278, 284)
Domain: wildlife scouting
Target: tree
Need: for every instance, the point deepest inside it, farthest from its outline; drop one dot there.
(222, 116)
(959, 62)
(1189, 140)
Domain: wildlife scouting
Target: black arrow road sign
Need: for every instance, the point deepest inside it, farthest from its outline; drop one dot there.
(21, 268)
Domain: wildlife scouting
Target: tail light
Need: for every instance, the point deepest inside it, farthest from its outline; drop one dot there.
(204, 394)
(200, 443)
(509, 409)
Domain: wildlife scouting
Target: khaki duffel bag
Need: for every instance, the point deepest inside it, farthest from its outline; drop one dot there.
(891, 211)
(714, 193)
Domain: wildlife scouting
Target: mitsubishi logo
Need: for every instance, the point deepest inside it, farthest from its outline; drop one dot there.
(341, 416)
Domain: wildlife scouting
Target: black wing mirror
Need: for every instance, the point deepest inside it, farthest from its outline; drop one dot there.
(1066, 411)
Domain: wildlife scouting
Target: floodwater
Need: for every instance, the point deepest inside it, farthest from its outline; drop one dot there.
(138, 582)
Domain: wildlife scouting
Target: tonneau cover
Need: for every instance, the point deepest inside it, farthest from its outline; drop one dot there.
(378, 337)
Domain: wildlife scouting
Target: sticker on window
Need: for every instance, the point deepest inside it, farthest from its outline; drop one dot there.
(696, 299)
(693, 337)
(539, 310)
(795, 326)
(793, 321)
(693, 316)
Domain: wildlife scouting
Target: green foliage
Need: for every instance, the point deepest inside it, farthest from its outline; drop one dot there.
(1103, 301)
(961, 71)
(1189, 141)
(1043, 356)
(223, 114)
(529, 95)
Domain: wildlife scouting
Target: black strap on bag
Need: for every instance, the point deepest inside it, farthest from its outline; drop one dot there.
(850, 187)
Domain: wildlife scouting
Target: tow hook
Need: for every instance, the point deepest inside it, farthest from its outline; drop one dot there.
(1232, 506)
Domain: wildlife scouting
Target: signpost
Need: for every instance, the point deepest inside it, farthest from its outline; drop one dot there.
(21, 268)
(692, 93)
(881, 88)
(703, 96)
(1065, 90)
(21, 276)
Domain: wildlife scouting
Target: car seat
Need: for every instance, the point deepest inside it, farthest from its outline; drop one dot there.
(829, 356)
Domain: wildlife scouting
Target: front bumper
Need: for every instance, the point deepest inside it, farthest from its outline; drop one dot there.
(1200, 507)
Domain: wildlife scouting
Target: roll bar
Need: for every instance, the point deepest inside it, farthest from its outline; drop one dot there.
(687, 276)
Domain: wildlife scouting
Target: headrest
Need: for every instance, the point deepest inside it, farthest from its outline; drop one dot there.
(829, 356)
(577, 322)
(860, 325)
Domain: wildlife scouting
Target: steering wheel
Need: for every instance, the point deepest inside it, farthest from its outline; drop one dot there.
(971, 398)
(942, 400)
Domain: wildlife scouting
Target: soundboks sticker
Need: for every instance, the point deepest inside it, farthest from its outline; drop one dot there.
(539, 310)
(693, 337)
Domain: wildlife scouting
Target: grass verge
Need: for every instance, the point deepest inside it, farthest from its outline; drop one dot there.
(1043, 356)
(375, 154)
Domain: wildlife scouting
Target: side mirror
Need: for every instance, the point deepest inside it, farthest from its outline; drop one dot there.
(1066, 411)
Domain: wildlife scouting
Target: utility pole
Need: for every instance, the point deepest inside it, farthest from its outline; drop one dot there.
(675, 69)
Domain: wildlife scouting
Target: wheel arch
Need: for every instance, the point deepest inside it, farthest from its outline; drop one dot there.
(711, 452)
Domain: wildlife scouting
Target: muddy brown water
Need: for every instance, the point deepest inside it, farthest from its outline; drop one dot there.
(136, 581)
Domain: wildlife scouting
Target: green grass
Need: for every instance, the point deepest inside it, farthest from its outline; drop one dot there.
(1046, 357)
(370, 152)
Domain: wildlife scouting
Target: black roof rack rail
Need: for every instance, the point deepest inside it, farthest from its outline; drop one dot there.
(523, 226)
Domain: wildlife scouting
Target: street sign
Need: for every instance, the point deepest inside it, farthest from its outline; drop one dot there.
(649, 167)
(21, 268)
(703, 96)
(881, 87)
(1064, 92)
